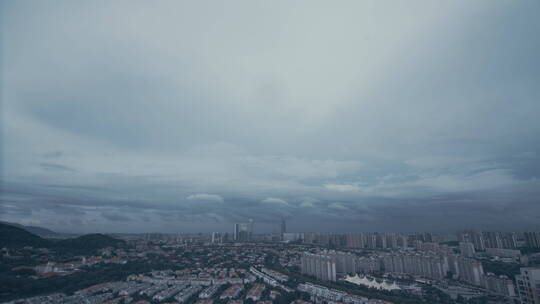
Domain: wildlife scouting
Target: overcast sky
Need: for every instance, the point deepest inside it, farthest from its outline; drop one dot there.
(185, 116)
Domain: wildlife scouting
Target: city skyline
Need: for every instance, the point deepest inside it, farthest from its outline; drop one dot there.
(128, 116)
(269, 152)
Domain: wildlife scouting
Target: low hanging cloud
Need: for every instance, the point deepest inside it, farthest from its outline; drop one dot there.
(338, 206)
(205, 197)
(308, 202)
(275, 201)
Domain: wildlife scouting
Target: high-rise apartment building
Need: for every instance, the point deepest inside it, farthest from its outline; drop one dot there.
(471, 271)
(380, 241)
(322, 266)
(475, 237)
(368, 264)
(217, 237)
(242, 231)
(509, 240)
(532, 239)
(345, 262)
(493, 239)
(391, 240)
(467, 249)
(355, 240)
(528, 285)
(425, 265)
(402, 241)
(283, 226)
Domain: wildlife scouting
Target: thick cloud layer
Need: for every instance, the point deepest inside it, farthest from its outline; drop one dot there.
(189, 116)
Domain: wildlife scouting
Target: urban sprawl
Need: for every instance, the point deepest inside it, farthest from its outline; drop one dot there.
(241, 267)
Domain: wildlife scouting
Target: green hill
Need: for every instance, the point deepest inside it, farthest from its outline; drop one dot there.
(14, 237)
(40, 231)
(89, 242)
(11, 236)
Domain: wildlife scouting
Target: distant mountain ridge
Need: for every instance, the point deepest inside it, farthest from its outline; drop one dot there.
(15, 237)
(89, 242)
(43, 232)
(11, 236)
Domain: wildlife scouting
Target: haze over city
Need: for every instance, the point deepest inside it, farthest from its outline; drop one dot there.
(190, 116)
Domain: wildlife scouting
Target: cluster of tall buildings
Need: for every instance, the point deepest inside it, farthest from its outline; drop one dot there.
(480, 239)
(217, 237)
(243, 231)
(429, 266)
(321, 266)
(467, 249)
(490, 239)
(328, 265)
(365, 240)
(466, 269)
(532, 239)
(434, 266)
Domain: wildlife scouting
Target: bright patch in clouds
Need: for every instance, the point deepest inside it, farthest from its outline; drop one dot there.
(274, 201)
(205, 197)
(343, 188)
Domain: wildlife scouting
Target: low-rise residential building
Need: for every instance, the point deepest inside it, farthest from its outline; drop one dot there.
(208, 292)
(255, 292)
(231, 292)
(500, 285)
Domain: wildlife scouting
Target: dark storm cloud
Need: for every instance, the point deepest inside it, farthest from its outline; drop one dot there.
(403, 116)
(115, 217)
(66, 210)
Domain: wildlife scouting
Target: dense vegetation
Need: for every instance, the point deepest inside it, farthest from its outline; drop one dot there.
(529, 250)
(14, 237)
(33, 229)
(87, 243)
(500, 268)
(12, 287)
